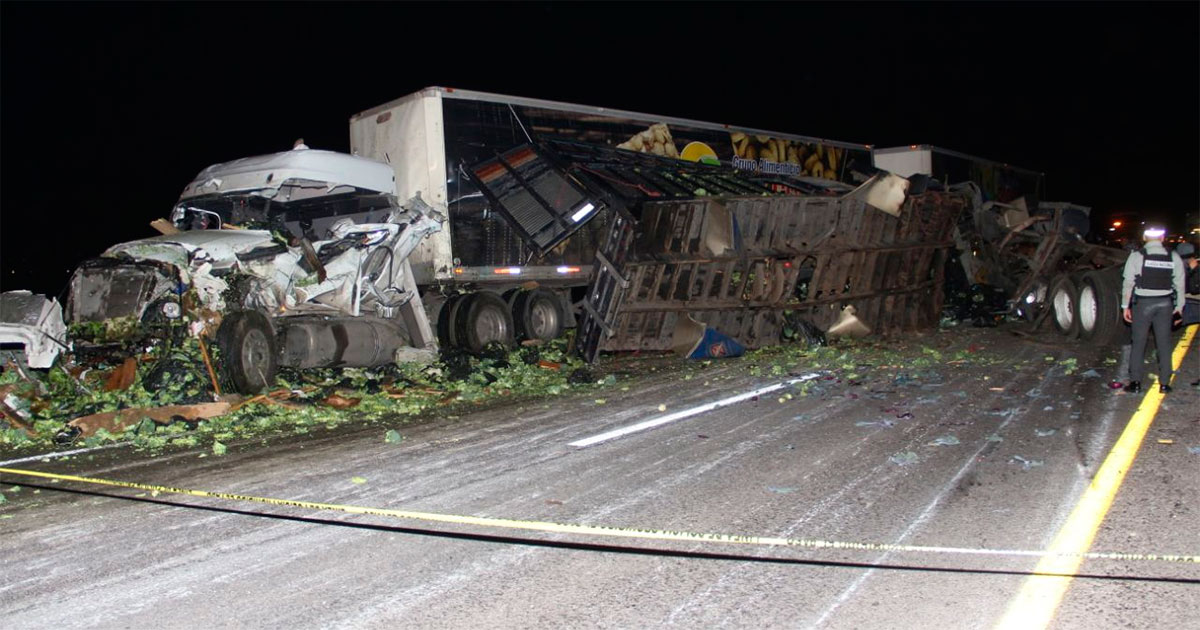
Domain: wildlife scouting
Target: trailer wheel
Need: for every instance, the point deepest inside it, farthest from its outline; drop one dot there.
(1063, 296)
(537, 314)
(482, 318)
(1099, 307)
(248, 351)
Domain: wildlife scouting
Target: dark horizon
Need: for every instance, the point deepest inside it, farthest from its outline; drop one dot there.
(110, 111)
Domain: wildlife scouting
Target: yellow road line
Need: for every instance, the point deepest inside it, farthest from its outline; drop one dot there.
(1040, 595)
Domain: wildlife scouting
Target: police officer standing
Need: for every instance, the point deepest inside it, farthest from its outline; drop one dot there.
(1152, 292)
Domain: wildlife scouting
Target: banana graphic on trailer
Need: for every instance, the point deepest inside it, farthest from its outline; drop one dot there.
(656, 139)
(759, 153)
(814, 159)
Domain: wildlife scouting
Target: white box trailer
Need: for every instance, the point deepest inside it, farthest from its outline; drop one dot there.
(429, 136)
(441, 143)
(997, 181)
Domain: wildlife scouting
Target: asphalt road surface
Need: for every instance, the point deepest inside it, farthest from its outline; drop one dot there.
(962, 454)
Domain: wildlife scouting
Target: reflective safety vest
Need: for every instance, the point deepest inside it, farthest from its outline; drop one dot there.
(1157, 270)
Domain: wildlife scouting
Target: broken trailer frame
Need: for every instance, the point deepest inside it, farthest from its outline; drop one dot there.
(743, 264)
(1034, 250)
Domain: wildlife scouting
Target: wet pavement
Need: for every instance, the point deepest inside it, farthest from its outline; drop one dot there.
(950, 452)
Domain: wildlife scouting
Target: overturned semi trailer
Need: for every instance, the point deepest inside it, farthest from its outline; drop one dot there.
(741, 264)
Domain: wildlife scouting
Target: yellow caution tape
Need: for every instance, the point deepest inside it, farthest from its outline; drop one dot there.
(599, 530)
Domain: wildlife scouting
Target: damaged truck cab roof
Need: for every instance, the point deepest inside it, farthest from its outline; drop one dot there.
(265, 175)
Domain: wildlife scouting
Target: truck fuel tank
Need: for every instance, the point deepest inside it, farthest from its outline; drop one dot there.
(319, 342)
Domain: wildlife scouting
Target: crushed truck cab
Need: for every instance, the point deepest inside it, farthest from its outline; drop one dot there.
(296, 259)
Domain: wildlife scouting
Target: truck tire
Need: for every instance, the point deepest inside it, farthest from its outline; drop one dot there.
(445, 321)
(1064, 294)
(1099, 308)
(248, 351)
(479, 319)
(537, 314)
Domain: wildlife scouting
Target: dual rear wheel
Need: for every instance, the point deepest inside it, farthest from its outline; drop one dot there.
(472, 321)
(1086, 305)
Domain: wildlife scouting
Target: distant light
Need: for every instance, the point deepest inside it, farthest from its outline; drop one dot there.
(510, 271)
(1116, 224)
(1112, 229)
(582, 212)
(567, 270)
(458, 271)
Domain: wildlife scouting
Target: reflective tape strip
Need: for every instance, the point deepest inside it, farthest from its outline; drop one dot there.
(611, 531)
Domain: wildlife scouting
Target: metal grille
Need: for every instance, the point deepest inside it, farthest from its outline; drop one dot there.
(110, 291)
(537, 199)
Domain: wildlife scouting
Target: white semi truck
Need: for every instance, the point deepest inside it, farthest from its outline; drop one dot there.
(521, 215)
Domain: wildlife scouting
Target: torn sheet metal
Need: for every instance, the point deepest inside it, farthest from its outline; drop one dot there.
(218, 248)
(848, 325)
(35, 323)
(883, 191)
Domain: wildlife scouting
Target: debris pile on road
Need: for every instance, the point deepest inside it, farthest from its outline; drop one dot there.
(164, 396)
(981, 304)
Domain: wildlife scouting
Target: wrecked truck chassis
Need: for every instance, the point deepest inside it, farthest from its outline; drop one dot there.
(742, 264)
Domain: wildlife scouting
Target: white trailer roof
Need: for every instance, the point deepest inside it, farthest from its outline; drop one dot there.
(270, 172)
(469, 95)
(933, 149)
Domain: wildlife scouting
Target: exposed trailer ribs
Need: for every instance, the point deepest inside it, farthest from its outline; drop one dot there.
(739, 263)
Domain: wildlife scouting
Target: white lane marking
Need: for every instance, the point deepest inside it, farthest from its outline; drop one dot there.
(920, 520)
(78, 451)
(687, 413)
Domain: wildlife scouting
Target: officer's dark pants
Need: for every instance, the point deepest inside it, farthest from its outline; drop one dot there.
(1147, 312)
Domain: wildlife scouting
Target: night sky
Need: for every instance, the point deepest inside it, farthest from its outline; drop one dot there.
(108, 110)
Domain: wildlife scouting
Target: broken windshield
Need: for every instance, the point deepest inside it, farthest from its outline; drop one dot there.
(295, 211)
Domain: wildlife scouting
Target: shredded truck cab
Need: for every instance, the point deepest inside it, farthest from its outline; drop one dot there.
(296, 259)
